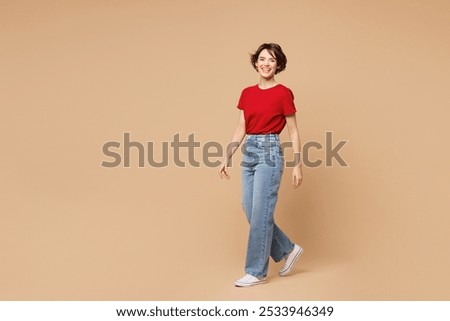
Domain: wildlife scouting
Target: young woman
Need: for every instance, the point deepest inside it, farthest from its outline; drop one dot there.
(265, 109)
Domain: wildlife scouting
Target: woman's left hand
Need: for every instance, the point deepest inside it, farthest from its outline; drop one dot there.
(297, 176)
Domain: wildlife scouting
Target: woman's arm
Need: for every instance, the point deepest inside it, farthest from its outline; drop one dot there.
(297, 175)
(236, 140)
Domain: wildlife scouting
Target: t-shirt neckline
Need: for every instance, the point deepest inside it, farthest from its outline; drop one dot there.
(257, 86)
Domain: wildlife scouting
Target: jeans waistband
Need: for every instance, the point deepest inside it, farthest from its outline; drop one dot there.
(263, 137)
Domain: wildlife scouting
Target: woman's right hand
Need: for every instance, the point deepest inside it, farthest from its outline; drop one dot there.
(223, 171)
(238, 135)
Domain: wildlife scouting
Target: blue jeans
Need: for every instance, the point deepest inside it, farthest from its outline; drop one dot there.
(262, 169)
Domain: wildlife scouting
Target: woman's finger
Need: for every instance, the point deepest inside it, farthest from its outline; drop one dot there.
(223, 173)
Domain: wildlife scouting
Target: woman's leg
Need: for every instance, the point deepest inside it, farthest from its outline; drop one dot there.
(265, 237)
(281, 245)
(247, 190)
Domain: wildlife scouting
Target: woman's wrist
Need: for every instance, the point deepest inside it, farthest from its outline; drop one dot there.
(297, 160)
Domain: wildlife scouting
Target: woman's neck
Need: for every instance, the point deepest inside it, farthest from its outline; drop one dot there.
(267, 83)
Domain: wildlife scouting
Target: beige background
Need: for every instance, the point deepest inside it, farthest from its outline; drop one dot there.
(76, 74)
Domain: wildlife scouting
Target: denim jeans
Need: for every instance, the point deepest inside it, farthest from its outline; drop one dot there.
(262, 169)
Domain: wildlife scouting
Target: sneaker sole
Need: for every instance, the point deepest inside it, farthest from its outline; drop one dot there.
(245, 285)
(290, 267)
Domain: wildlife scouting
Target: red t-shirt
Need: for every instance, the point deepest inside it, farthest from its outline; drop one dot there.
(265, 109)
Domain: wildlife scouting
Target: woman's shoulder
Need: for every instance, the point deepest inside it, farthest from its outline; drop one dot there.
(251, 87)
(284, 88)
(249, 90)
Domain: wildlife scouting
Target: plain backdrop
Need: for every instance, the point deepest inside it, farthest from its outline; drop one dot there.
(77, 74)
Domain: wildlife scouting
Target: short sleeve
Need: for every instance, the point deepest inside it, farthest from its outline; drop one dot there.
(241, 102)
(288, 103)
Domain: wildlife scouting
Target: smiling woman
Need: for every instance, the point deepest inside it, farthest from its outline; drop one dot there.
(269, 60)
(265, 109)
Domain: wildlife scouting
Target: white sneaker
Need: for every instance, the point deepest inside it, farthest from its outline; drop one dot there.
(290, 260)
(249, 280)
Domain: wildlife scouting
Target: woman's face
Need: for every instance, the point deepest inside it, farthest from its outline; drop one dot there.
(266, 64)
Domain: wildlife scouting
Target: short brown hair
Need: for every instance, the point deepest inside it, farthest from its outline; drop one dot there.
(275, 50)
